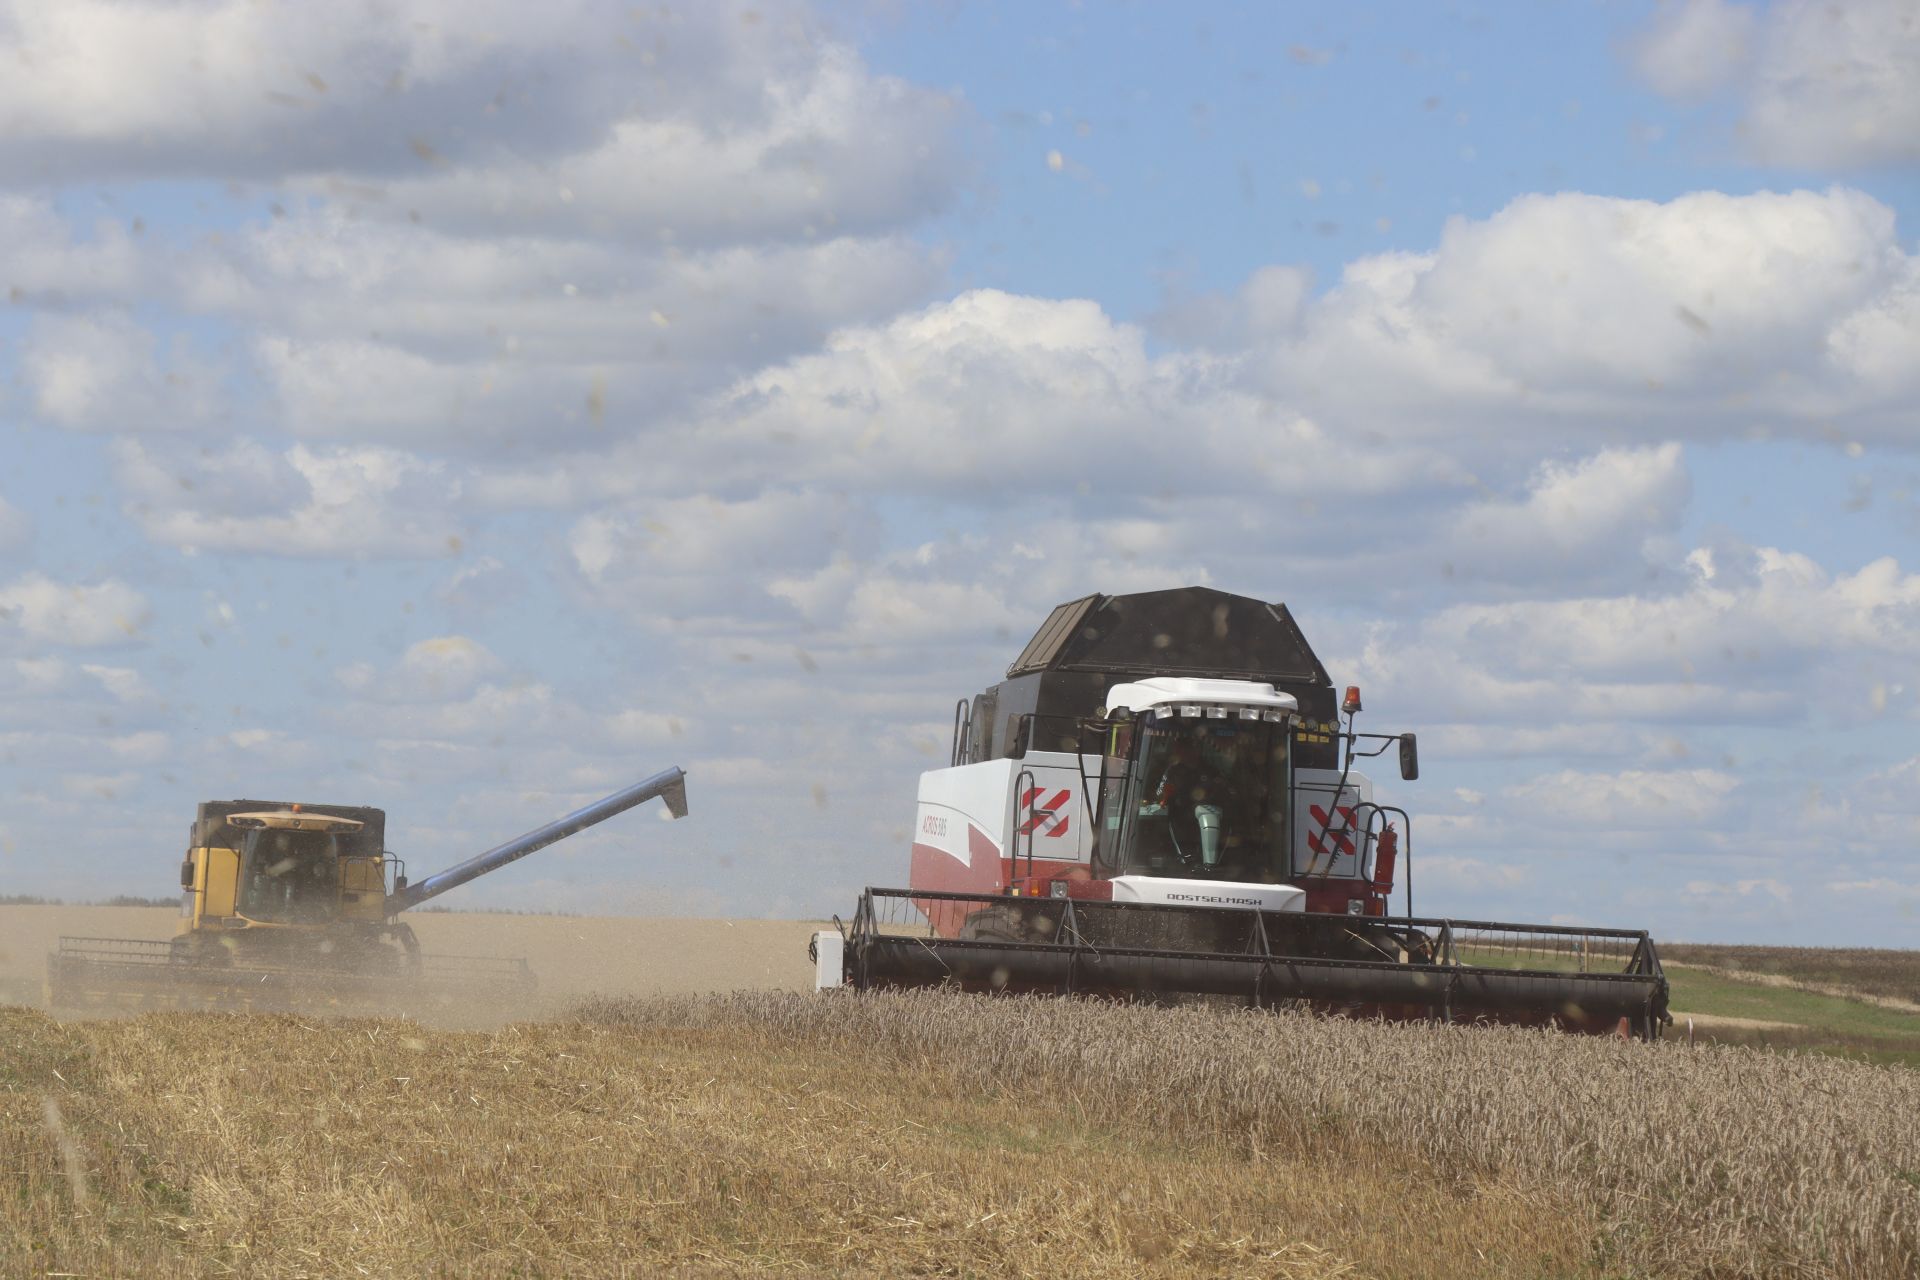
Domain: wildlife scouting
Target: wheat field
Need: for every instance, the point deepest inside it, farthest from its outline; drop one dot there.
(933, 1134)
(627, 1122)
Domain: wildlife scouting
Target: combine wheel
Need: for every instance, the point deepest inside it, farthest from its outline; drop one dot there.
(996, 924)
(1407, 946)
(402, 934)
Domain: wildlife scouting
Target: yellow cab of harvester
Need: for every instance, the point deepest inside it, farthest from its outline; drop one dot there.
(257, 877)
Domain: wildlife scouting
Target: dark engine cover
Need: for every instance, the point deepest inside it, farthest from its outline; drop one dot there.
(1087, 646)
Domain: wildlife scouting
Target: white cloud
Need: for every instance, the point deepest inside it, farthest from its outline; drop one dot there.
(441, 669)
(511, 233)
(642, 727)
(815, 571)
(58, 713)
(573, 373)
(887, 608)
(1838, 84)
(1694, 47)
(992, 394)
(1634, 799)
(99, 786)
(737, 771)
(444, 704)
(1748, 635)
(1705, 892)
(828, 150)
(125, 684)
(528, 345)
(518, 346)
(437, 670)
(56, 750)
(1774, 608)
(257, 739)
(1508, 741)
(1470, 873)
(483, 586)
(1271, 301)
(40, 675)
(1575, 519)
(150, 746)
(1696, 318)
(1823, 85)
(103, 370)
(43, 610)
(551, 96)
(1897, 787)
(1879, 887)
(44, 262)
(345, 501)
(1612, 328)
(529, 707)
(704, 555)
(16, 527)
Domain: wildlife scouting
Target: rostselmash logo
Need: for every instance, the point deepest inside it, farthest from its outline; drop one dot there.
(1210, 897)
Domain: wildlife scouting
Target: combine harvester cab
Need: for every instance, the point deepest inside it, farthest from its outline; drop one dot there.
(1159, 801)
(294, 906)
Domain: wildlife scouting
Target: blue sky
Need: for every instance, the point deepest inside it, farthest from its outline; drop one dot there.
(469, 410)
(1193, 135)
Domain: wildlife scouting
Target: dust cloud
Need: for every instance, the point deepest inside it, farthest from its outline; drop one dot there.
(573, 957)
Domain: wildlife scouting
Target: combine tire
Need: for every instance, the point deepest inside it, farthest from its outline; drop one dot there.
(996, 924)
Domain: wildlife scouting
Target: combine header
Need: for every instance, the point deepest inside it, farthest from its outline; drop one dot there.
(1160, 800)
(295, 906)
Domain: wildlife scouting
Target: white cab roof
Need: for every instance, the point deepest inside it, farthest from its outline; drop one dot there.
(1170, 693)
(294, 820)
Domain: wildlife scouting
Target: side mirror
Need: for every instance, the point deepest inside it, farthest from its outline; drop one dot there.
(1409, 757)
(186, 873)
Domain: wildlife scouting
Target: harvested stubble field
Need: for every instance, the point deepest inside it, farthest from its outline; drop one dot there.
(575, 957)
(938, 1134)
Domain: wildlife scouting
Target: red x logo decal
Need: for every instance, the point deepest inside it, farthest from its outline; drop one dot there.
(1039, 814)
(1340, 838)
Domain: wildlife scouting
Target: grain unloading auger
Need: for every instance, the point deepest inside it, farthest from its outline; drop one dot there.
(296, 906)
(1159, 801)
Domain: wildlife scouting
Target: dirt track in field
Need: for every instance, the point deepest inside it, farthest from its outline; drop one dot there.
(573, 956)
(1716, 1021)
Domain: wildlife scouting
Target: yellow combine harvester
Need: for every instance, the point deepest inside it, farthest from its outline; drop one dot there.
(296, 906)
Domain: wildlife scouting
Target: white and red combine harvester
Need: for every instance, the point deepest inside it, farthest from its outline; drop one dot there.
(1160, 800)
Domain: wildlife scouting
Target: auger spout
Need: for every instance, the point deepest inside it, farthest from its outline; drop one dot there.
(670, 785)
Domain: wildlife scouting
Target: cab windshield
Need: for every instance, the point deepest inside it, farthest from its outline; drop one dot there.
(1198, 798)
(289, 877)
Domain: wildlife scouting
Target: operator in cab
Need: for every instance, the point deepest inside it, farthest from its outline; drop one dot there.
(289, 877)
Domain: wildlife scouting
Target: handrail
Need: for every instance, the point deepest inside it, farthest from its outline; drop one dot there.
(1026, 789)
(1382, 811)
